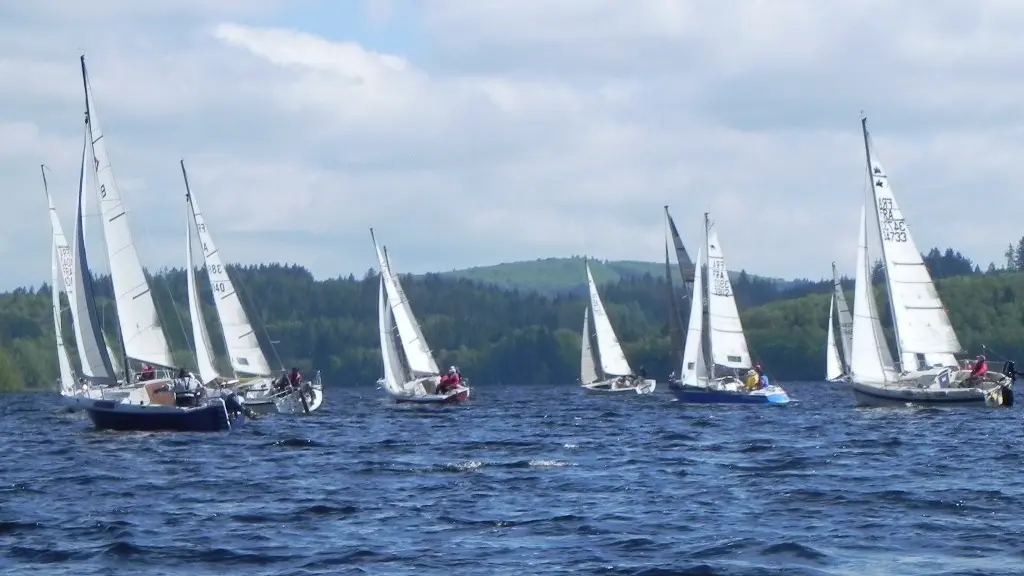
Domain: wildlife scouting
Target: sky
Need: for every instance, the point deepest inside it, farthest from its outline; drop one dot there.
(473, 133)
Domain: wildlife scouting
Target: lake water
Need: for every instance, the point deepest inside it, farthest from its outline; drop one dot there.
(521, 480)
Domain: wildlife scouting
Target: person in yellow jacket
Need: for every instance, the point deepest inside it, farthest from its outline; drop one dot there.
(753, 380)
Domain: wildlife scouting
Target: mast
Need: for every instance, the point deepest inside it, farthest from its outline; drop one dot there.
(709, 358)
(881, 241)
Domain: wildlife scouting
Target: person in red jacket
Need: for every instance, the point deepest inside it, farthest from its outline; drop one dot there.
(980, 368)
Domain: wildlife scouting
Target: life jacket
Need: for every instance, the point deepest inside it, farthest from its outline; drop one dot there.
(455, 379)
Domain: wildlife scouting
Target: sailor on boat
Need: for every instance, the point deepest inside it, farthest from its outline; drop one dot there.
(449, 381)
(977, 373)
(148, 373)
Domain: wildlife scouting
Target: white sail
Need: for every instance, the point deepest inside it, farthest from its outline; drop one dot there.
(588, 368)
(417, 353)
(866, 361)
(609, 351)
(728, 344)
(141, 332)
(67, 378)
(394, 372)
(845, 319)
(114, 364)
(93, 355)
(876, 323)
(833, 366)
(239, 337)
(693, 370)
(200, 335)
(921, 323)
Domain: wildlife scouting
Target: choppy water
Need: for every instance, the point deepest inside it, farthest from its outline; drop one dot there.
(522, 480)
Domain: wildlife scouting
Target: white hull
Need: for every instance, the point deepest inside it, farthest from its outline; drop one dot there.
(85, 396)
(934, 387)
(613, 386)
(264, 401)
(417, 392)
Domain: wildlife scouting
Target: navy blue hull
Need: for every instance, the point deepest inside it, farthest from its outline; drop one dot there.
(210, 418)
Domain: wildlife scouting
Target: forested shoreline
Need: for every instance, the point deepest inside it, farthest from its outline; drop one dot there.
(498, 334)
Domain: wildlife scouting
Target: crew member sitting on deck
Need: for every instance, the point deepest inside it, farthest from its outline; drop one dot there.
(295, 378)
(448, 381)
(147, 373)
(752, 380)
(762, 380)
(980, 368)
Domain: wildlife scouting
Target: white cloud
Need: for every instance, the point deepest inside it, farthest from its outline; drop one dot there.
(469, 133)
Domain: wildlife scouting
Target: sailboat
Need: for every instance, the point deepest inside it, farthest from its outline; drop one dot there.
(715, 327)
(256, 385)
(837, 362)
(928, 371)
(97, 380)
(152, 405)
(609, 372)
(685, 267)
(410, 371)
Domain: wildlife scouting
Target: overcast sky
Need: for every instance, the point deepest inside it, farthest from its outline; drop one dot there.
(476, 132)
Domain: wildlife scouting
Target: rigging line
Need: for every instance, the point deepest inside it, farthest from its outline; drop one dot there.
(259, 319)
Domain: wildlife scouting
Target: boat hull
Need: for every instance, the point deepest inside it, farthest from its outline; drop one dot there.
(118, 416)
(261, 398)
(645, 386)
(701, 395)
(875, 396)
(456, 396)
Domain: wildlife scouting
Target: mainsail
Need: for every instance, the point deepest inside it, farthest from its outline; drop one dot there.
(200, 335)
(417, 353)
(243, 347)
(728, 344)
(141, 333)
(920, 321)
(609, 351)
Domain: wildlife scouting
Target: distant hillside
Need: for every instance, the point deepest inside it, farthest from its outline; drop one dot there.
(552, 276)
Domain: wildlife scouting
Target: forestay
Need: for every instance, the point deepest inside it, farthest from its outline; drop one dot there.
(866, 361)
(243, 347)
(417, 354)
(200, 335)
(694, 372)
(142, 334)
(922, 325)
(588, 368)
(728, 344)
(609, 351)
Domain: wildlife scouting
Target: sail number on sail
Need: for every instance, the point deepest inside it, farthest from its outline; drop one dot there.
(893, 229)
(720, 286)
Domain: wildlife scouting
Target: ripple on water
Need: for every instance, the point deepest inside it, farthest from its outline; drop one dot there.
(523, 480)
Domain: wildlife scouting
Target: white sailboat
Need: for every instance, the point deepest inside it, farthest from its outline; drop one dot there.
(610, 372)
(714, 328)
(410, 371)
(837, 362)
(252, 377)
(926, 343)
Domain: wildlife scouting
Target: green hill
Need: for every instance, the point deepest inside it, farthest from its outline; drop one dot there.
(552, 276)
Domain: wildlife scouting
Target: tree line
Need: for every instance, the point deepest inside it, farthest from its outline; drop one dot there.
(501, 335)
